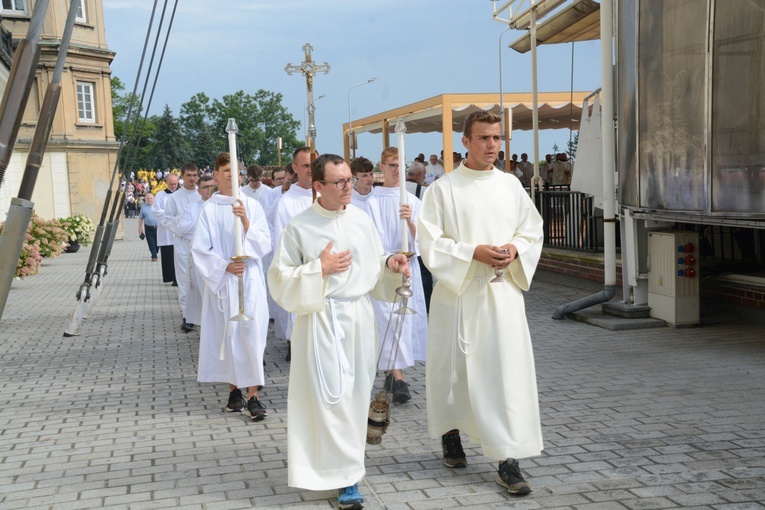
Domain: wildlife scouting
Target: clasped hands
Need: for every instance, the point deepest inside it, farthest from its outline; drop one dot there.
(339, 262)
(498, 257)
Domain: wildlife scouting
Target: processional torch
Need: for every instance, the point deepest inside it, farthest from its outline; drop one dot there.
(232, 130)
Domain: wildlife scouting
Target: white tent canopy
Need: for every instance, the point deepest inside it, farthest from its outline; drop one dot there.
(447, 113)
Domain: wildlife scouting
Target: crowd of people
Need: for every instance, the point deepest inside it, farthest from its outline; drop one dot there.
(322, 252)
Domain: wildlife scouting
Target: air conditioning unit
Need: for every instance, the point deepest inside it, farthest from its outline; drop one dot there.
(673, 277)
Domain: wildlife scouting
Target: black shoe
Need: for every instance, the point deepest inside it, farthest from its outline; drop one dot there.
(388, 384)
(401, 392)
(255, 409)
(288, 357)
(454, 456)
(509, 476)
(236, 402)
(187, 326)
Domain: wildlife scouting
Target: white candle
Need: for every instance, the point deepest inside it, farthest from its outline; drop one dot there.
(232, 130)
(400, 129)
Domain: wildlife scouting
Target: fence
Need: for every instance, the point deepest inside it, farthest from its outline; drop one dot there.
(570, 221)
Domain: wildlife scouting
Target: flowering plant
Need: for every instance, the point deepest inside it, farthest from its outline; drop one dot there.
(29, 259)
(78, 227)
(49, 236)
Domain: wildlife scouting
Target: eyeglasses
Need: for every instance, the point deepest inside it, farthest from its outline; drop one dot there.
(207, 187)
(391, 165)
(342, 183)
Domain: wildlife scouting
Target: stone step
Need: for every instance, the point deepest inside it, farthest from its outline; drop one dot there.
(626, 310)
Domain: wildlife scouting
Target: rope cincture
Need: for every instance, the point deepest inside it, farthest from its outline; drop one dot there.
(458, 339)
(342, 360)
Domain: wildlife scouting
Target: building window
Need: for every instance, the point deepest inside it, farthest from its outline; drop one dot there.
(86, 111)
(82, 14)
(17, 6)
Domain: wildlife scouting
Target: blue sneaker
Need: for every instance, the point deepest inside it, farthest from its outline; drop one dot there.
(350, 498)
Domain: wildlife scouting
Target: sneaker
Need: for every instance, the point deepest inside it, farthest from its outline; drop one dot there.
(255, 409)
(454, 456)
(350, 498)
(236, 402)
(509, 476)
(401, 392)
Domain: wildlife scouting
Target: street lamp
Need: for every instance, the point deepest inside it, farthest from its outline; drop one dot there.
(305, 124)
(350, 122)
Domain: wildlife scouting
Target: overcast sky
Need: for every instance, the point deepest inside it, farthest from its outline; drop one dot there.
(417, 49)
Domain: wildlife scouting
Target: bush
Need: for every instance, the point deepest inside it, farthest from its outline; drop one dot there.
(49, 236)
(78, 228)
(30, 258)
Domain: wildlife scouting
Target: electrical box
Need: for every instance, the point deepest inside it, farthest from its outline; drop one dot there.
(673, 277)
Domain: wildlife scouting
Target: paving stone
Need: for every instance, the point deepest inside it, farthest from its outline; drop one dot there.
(629, 418)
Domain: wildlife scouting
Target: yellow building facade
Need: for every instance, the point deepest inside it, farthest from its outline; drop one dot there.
(82, 149)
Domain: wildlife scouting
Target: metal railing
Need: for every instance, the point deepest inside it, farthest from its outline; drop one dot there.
(569, 218)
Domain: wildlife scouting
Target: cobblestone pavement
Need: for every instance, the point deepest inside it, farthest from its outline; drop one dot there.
(114, 418)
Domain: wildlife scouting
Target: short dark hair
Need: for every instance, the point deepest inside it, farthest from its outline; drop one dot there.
(299, 150)
(222, 159)
(479, 116)
(254, 172)
(277, 169)
(205, 178)
(319, 165)
(361, 165)
(189, 167)
(289, 168)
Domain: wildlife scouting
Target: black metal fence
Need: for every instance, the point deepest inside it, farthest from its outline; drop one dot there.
(570, 220)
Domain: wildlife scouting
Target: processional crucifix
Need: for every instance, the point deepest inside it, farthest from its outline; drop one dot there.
(309, 68)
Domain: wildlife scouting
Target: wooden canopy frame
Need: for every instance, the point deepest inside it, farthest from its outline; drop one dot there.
(446, 114)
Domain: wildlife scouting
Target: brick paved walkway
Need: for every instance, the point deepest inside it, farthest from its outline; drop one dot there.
(114, 418)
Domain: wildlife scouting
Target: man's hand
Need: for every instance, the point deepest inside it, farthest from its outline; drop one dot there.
(399, 263)
(405, 213)
(334, 262)
(236, 268)
(498, 257)
(241, 213)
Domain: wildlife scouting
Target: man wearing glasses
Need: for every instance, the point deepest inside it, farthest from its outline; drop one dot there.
(328, 260)
(387, 213)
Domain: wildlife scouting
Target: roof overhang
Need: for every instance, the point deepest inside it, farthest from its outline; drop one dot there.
(579, 21)
(557, 110)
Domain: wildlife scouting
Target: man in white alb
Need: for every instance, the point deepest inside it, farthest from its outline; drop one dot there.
(164, 236)
(328, 260)
(480, 379)
(363, 171)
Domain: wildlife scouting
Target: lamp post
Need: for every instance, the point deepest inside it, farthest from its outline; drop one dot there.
(350, 122)
(305, 124)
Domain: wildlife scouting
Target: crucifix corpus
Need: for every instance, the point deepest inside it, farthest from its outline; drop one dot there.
(309, 68)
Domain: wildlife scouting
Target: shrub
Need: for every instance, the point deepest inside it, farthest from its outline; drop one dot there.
(78, 228)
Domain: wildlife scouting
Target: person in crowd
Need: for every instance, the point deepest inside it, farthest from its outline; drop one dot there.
(254, 187)
(415, 179)
(175, 206)
(327, 262)
(363, 171)
(165, 236)
(434, 170)
(295, 200)
(232, 351)
(185, 227)
(147, 226)
(477, 223)
(387, 212)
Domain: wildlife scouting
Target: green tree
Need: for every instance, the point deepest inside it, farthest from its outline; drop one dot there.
(131, 156)
(572, 145)
(169, 148)
(197, 128)
(260, 119)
